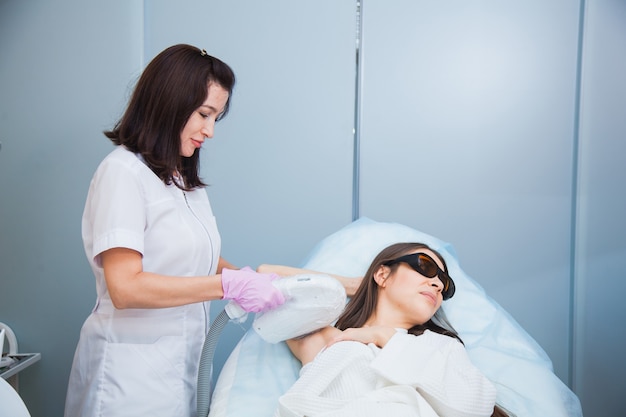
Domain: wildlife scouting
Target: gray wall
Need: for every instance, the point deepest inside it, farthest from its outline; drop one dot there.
(497, 127)
(484, 116)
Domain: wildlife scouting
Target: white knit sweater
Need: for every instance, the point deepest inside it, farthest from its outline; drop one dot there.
(426, 376)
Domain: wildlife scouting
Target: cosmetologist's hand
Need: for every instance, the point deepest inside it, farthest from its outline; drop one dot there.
(253, 291)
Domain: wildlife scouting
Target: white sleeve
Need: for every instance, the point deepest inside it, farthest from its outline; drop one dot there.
(440, 369)
(115, 209)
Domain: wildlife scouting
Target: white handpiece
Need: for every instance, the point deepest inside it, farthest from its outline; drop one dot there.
(312, 301)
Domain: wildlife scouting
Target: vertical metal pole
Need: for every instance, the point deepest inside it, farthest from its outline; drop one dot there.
(575, 276)
(356, 162)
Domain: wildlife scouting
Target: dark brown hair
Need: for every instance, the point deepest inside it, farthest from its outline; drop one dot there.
(499, 412)
(173, 85)
(362, 305)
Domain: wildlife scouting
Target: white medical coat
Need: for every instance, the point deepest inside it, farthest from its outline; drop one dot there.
(142, 362)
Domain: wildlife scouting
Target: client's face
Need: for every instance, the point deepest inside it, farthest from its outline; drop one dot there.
(413, 296)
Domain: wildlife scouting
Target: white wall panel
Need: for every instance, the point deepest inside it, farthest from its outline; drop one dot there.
(467, 133)
(64, 71)
(280, 165)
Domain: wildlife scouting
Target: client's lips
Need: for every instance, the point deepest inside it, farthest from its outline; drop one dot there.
(430, 296)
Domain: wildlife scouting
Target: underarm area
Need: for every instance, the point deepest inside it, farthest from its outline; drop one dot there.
(306, 348)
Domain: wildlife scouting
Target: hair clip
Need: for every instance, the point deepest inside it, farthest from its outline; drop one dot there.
(203, 52)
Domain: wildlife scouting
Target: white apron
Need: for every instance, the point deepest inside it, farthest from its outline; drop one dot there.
(142, 362)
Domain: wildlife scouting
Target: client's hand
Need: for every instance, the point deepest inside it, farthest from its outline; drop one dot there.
(378, 335)
(253, 291)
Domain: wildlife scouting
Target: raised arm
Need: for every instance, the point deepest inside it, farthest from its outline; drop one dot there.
(349, 283)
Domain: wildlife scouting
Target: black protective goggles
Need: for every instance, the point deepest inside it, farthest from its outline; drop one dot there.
(425, 265)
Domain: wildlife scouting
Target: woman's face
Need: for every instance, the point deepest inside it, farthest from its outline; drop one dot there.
(201, 123)
(412, 297)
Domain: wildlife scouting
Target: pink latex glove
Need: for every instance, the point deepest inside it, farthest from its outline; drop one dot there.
(253, 291)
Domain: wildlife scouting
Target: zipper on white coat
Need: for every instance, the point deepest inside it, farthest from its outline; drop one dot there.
(207, 319)
(203, 227)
